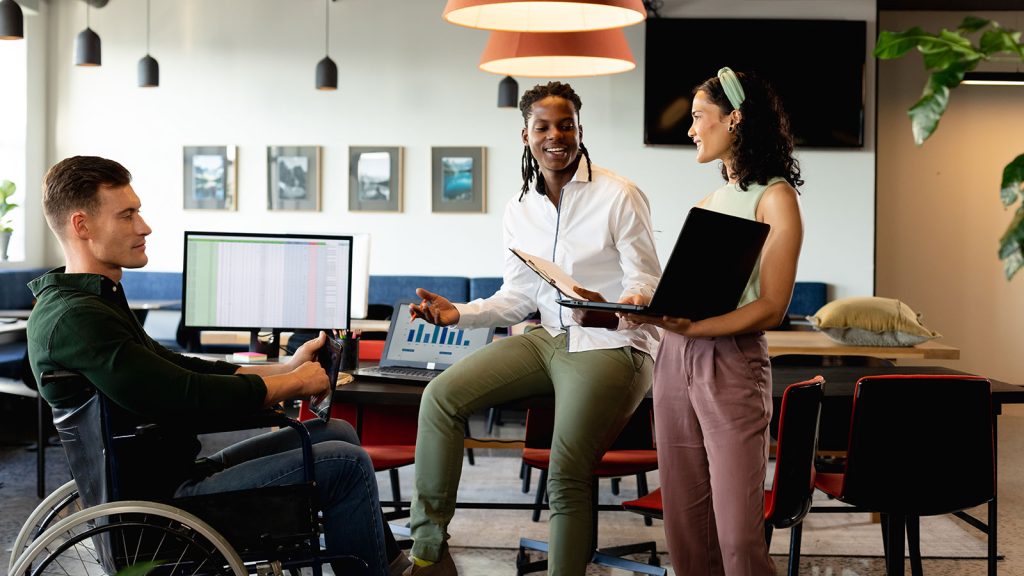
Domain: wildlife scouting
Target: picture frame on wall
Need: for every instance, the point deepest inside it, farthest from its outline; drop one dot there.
(458, 178)
(209, 175)
(375, 178)
(293, 178)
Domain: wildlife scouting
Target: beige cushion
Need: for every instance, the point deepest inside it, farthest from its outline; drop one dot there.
(871, 321)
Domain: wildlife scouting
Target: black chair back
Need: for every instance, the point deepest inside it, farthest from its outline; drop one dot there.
(920, 444)
(793, 483)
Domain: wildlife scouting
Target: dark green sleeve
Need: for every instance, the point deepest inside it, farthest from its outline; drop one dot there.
(107, 351)
(192, 363)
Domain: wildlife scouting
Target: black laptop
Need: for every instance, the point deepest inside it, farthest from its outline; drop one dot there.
(416, 352)
(707, 271)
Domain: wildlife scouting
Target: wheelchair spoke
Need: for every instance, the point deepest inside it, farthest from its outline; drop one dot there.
(200, 567)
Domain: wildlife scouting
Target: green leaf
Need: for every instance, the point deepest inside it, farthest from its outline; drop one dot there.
(926, 113)
(973, 24)
(1011, 245)
(895, 44)
(999, 40)
(6, 189)
(1013, 181)
(951, 77)
(1013, 264)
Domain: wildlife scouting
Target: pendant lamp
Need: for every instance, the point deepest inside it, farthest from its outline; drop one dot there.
(326, 69)
(87, 45)
(12, 21)
(557, 55)
(149, 68)
(508, 93)
(545, 15)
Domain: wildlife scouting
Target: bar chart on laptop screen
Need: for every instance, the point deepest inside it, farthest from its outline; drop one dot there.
(418, 341)
(269, 282)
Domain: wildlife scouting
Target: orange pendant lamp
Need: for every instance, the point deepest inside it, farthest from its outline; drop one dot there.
(545, 15)
(565, 55)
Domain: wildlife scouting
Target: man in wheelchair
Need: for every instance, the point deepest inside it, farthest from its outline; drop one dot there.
(82, 322)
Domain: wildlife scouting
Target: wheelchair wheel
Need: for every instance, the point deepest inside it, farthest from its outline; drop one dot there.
(60, 504)
(133, 532)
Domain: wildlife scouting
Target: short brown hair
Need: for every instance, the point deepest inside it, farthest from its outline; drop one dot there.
(72, 184)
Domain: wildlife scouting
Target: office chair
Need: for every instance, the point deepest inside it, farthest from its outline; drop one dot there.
(899, 463)
(789, 499)
(631, 453)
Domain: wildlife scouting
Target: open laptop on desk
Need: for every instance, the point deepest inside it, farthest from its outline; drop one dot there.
(416, 352)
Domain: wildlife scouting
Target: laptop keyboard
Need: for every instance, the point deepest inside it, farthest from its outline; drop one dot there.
(421, 373)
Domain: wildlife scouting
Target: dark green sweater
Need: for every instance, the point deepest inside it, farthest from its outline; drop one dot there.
(82, 322)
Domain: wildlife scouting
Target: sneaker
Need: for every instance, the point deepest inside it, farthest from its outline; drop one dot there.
(445, 566)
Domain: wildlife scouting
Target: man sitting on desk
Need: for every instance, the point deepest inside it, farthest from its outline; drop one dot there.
(82, 322)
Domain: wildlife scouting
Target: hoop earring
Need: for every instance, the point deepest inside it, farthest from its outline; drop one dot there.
(730, 128)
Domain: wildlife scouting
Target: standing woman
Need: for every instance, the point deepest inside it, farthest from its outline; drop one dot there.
(712, 378)
(596, 225)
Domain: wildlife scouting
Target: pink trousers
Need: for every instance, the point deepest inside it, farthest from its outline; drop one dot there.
(712, 405)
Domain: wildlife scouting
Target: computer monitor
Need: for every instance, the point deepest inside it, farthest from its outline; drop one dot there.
(266, 283)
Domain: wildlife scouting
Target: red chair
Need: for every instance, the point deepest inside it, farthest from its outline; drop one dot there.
(900, 459)
(631, 453)
(789, 499)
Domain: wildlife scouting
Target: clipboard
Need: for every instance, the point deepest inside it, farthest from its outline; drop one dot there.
(550, 273)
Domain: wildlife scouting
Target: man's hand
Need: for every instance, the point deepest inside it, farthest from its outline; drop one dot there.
(308, 379)
(307, 352)
(434, 309)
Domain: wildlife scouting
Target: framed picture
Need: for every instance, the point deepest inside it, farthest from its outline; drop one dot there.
(210, 173)
(457, 176)
(293, 178)
(375, 179)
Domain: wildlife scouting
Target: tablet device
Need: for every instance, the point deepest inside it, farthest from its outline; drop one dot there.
(329, 357)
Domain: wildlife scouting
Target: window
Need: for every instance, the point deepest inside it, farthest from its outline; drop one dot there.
(13, 126)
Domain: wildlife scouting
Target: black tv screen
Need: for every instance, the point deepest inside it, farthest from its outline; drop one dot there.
(815, 66)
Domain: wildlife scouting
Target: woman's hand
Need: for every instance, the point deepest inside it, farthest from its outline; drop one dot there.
(307, 352)
(672, 324)
(434, 309)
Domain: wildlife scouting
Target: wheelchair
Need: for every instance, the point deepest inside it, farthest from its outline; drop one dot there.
(110, 520)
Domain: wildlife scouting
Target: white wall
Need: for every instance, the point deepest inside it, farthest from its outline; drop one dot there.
(241, 72)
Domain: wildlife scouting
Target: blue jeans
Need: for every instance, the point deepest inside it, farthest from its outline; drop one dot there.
(345, 480)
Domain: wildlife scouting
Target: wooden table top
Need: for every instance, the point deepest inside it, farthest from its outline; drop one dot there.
(817, 343)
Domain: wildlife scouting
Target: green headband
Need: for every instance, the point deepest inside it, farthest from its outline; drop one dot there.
(732, 87)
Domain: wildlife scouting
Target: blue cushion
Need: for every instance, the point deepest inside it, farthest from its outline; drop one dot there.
(14, 292)
(808, 297)
(12, 356)
(143, 285)
(484, 287)
(387, 290)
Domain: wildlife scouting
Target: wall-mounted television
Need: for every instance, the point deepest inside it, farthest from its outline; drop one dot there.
(815, 66)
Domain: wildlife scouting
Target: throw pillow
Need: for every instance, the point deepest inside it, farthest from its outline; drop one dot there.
(871, 321)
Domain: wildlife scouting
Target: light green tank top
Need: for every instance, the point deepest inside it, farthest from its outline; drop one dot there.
(729, 199)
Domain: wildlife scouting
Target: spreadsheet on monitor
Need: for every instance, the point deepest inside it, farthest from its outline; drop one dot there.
(249, 281)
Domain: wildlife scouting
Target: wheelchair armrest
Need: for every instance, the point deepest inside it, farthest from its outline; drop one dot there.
(266, 418)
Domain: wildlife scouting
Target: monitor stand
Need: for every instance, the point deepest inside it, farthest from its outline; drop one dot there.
(271, 347)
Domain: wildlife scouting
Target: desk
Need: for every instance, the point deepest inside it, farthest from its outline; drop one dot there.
(817, 343)
(13, 331)
(241, 338)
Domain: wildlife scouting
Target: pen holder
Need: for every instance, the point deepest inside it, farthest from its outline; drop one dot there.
(349, 354)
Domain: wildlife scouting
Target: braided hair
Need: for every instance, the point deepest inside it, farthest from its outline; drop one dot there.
(763, 147)
(530, 166)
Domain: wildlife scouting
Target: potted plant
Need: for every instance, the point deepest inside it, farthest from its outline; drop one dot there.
(948, 55)
(7, 189)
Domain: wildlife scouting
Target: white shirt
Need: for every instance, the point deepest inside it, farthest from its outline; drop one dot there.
(600, 235)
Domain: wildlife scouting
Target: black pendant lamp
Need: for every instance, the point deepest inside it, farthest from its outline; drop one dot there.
(12, 22)
(87, 45)
(508, 93)
(326, 69)
(149, 69)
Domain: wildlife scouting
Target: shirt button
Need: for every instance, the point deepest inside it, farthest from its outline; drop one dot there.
(115, 288)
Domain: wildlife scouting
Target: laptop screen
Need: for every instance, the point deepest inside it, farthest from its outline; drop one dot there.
(415, 343)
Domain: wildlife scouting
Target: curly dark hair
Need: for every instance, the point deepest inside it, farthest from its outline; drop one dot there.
(763, 147)
(530, 167)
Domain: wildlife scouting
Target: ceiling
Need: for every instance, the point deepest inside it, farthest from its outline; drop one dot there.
(953, 5)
